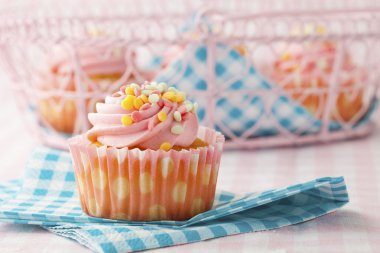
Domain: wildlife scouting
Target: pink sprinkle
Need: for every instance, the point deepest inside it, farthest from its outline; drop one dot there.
(137, 92)
(182, 109)
(185, 116)
(122, 88)
(156, 92)
(160, 103)
(145, 107)
(116, 94)
(136, 116)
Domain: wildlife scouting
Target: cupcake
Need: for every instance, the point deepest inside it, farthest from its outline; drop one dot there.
(146, 157)
(101, 65)
(305, 74)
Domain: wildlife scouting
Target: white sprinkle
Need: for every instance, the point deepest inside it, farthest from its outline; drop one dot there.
(177, 116)
(153, 83)
(177, 129)
(189, 107)
(153, 98)
(134, 85)
(146, 92)
(172, 89)
(162, 87)
(195, 107)
(149, 87)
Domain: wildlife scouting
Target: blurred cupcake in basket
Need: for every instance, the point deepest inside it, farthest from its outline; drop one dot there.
(102, 68)
(305, 72)
(146, 158)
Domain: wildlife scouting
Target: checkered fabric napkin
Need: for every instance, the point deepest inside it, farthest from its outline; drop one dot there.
(238, 105)
(47, 197)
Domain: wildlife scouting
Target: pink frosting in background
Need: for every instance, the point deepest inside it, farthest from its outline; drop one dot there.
(105, 59)
(147, 131)
(94, 60)
(99, 59)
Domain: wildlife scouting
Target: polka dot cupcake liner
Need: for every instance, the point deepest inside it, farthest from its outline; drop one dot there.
(143, 185)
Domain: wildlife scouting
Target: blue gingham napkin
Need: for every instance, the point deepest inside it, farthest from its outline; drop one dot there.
(238, 102)
(47, 197)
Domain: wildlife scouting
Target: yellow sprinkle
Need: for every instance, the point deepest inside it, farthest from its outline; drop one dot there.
(144, 98)
(127, 103)
(98, 144)
(130, 91)
(180, 97)
(162, 116)
(137, 103)
(126, 120)
(170, 96)
(165, 146)
(285, 56)
(321, 30)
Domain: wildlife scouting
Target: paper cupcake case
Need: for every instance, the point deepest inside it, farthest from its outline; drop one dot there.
(146, 185)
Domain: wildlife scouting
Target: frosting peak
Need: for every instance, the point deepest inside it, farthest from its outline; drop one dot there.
(150, 116)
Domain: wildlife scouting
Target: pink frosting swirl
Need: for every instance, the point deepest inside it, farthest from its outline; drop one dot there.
(147, 131)
(100, 59)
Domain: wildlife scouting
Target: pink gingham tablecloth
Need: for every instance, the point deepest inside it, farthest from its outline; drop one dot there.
(355, 228)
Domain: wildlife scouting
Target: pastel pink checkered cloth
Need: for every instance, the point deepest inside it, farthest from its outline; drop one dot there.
(355, 228)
